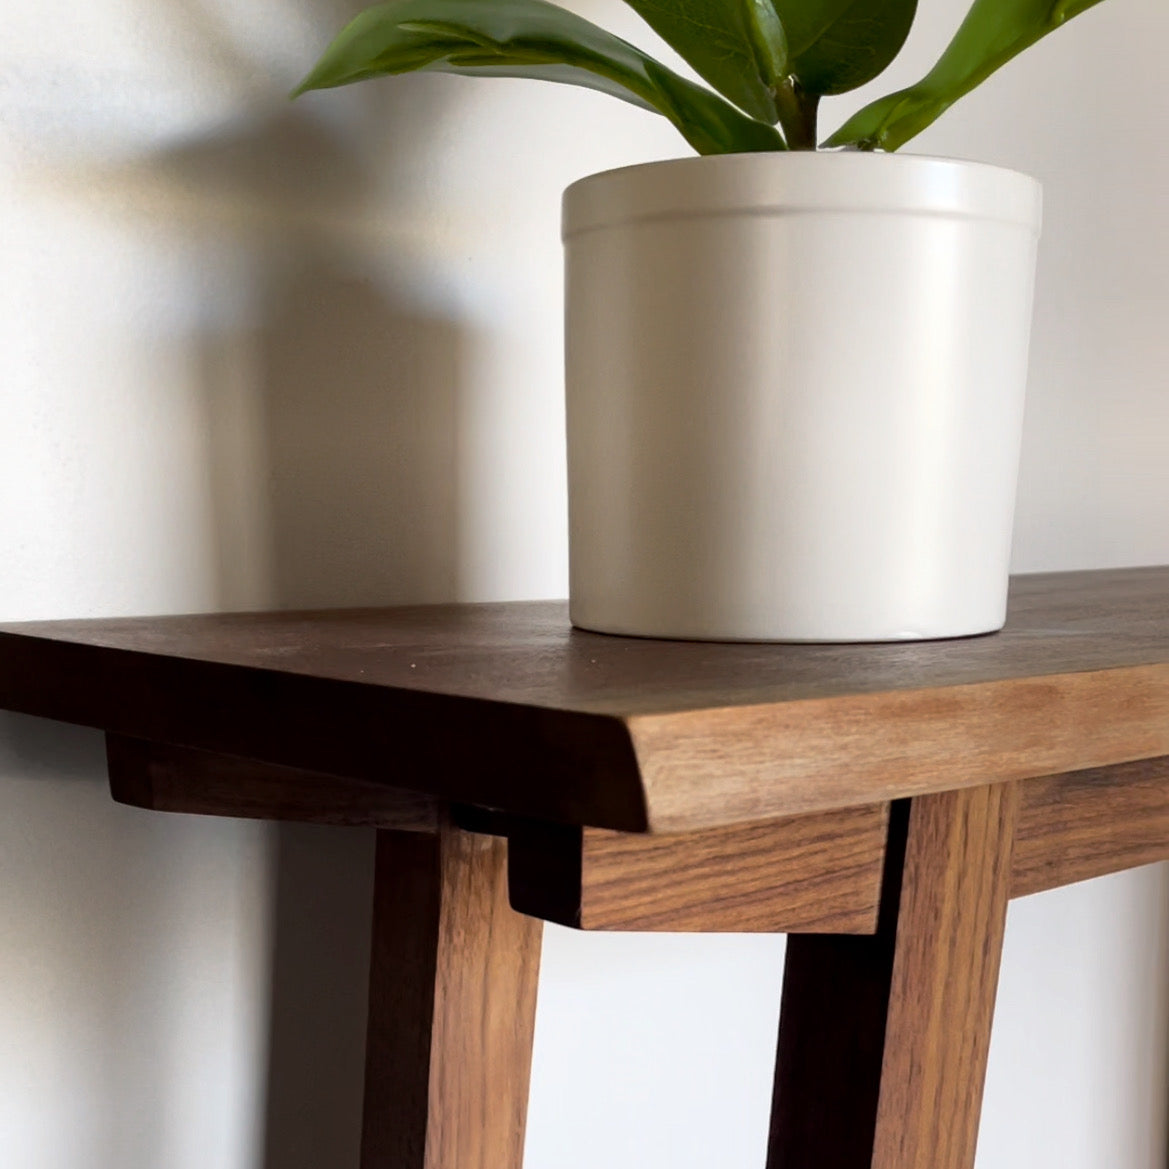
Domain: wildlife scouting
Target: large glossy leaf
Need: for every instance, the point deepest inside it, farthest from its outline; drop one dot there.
(531, 38)
(838, 45)
(738, 46)
(993, 32)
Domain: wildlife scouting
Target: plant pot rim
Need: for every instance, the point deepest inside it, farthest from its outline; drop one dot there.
(795, 182)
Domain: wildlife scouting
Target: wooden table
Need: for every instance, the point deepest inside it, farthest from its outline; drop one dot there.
(880, 804)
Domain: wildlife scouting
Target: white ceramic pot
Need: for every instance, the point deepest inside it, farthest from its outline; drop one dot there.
(795, 395)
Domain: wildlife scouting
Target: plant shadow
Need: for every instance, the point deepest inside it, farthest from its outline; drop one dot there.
(333, 414)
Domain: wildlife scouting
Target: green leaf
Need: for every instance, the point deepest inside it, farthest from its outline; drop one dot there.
(531, 38)
(739, 46)
(838, 45)
(993, 32)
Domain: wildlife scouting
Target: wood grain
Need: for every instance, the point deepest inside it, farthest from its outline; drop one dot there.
(817, 873)
(832, 1034)
(740, 763)
(505, 706)
(181, 779)
(883, 1040)
(1082, 825)
(452, 1007)
(951, 918)
(814, 874)
(537, 761)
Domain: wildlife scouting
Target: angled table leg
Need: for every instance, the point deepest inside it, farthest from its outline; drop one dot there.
(452, 1005)
(883, 1040)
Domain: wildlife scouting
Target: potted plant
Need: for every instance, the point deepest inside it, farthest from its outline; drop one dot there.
(795, 370)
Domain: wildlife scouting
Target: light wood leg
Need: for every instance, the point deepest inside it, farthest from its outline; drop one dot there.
(452, 1006)
(883, 1040)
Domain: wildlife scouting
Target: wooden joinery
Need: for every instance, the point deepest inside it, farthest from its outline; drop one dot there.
(452, 1006)
(819, 873)
(883, 1041)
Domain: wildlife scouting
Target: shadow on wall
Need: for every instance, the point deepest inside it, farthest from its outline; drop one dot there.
(360, 416)
(359, 421)
(333, 415)
(319, 993)
(334, 410)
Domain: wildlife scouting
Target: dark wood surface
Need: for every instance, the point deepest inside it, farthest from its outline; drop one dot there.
(819, 873)
(1074, 827)
(452, 1006)
(814, 873)
(883, 1040)
(954, 890)
(505, 706)
(1014, 763)
(832, 1034)
(181, 779)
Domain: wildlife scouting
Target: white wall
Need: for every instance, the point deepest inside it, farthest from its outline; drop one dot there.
(253, 353)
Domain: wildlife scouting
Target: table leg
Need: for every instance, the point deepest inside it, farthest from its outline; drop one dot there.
(451, 1009)
(883, 1040)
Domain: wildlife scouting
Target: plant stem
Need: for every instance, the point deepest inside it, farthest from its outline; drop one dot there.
(797, 114)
